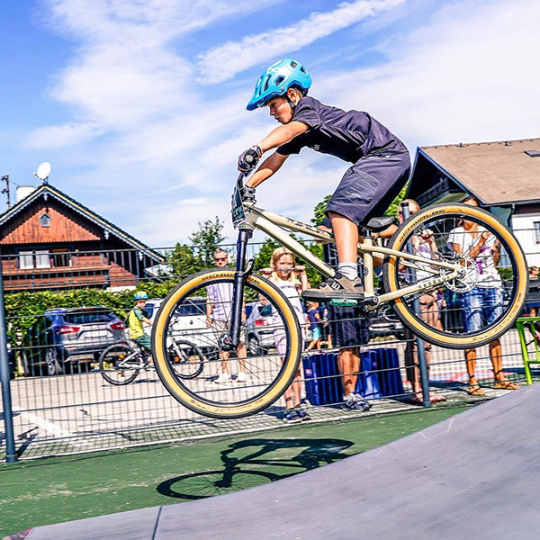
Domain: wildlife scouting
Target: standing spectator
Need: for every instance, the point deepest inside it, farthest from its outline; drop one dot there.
(218, 316)
(315, 325)
(483, 304)
(292, 280)
(349, 330)
(423, 245)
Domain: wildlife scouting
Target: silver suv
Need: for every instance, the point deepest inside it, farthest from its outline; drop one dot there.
(63, 337)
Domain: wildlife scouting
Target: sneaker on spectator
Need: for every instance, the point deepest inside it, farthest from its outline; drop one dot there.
(223, 378)
(291, 417)
(355, 402)
(302, 414)
(242, 377)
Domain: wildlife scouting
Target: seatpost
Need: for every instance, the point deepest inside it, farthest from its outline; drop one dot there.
(420, 345)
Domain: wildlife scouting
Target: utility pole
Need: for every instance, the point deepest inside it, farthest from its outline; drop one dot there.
(5, 179)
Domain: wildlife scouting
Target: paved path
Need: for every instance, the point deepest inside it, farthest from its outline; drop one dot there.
(474, 475)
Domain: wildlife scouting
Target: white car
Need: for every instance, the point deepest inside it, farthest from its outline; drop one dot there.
(188, 323)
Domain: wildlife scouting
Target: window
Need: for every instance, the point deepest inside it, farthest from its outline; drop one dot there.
(537, 231)
(45, 220)
(34, 259)
(61, 257)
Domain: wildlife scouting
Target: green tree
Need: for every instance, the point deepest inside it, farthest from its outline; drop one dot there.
(319, 212)
(183, 261)
(206, 240)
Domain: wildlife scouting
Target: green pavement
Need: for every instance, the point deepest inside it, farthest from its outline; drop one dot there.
(52, 490)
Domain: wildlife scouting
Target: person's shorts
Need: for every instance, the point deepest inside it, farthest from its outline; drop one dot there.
(368, 187)
(144, 342)
(316, 333)
(348, 327)
(481, 307)
(221, 327)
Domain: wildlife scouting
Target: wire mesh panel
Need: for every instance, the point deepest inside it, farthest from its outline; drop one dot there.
(60, 319)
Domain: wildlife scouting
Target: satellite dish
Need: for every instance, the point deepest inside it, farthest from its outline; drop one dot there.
(44, 170)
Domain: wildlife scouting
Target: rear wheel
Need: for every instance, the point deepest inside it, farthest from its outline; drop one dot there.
(120, 364)
(53, 363)
(267, 377)
(489, 291)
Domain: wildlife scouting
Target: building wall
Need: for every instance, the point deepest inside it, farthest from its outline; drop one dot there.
(528, 235)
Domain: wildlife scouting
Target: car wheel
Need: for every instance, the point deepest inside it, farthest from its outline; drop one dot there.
(53, 364)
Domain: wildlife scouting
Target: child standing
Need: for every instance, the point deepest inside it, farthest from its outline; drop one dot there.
(380, 162)
(285, 275)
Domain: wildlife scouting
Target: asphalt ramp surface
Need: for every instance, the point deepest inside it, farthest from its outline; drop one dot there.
(475, 475)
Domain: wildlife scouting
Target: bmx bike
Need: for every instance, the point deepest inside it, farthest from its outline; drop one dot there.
(121, 363)
(406, 275)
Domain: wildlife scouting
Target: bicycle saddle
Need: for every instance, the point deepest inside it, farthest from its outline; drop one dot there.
(377, 224)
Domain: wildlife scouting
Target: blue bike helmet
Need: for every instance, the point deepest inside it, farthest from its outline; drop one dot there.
(140, 295)
(277, 79)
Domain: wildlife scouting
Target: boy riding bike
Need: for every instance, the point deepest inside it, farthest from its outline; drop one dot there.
(381, 163)
(135, 320)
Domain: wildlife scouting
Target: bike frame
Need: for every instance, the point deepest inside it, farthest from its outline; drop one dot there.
(276, 226)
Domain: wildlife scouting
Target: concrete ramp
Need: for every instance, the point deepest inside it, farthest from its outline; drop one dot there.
(475, 475)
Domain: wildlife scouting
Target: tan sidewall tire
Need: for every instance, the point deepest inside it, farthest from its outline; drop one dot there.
(187, 398)
(457, 342)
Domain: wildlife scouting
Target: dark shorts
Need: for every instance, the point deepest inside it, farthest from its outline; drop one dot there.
(347, 327)
(144, 341)
(368, 187)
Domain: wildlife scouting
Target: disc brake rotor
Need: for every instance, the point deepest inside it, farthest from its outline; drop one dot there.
(468, 277)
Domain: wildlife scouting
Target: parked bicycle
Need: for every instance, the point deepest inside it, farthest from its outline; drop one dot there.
(121, 363)
(404, 281)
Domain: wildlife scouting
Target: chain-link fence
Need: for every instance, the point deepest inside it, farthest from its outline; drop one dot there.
(63, 312)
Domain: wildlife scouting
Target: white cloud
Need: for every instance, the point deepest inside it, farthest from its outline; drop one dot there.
(55, 136)
(467, 76)
(225, 61)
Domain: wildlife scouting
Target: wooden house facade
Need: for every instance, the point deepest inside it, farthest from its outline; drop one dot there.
(50, 241)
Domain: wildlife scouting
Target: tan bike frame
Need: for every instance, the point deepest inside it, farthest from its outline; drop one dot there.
(276, 226)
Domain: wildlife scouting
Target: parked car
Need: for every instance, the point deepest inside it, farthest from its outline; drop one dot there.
(189, 323)
(65, 337)
(259, 328)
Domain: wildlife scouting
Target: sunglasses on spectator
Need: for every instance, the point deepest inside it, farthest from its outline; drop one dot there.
(220, 259)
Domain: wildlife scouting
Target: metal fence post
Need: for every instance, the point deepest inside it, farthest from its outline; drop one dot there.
(420, 346)
(11, 454)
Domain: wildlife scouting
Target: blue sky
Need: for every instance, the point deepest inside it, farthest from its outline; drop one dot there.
(139, 105)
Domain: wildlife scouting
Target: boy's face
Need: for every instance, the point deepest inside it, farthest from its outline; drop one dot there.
(140, 303)
(280, 110)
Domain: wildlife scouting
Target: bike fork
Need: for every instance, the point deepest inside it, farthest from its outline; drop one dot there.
(232, 340)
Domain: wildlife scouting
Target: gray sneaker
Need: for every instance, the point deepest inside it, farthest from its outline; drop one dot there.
(339, 286)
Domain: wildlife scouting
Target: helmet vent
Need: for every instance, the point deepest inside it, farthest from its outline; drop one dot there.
(279, 80)
(302, 69)
(294, 64)
(266, 83)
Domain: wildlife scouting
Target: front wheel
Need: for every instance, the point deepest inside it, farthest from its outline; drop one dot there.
(233, 384)
(119, 364)
(483, 300)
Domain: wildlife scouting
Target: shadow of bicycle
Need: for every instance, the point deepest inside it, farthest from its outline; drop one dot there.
(254, 462)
